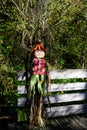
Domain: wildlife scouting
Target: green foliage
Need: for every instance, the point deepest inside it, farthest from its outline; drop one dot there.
(22, 115)
(68, 24)
(72, 80)
(7, 85)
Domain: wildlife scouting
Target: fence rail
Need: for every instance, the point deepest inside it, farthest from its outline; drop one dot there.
(65, 98)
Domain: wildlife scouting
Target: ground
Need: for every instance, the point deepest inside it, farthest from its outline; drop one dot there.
(70, 123)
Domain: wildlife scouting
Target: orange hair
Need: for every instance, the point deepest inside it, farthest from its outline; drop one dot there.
(38, 47)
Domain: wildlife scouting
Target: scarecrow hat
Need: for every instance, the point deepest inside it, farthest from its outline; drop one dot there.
(38, 46)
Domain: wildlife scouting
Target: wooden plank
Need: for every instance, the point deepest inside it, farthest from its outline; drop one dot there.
(66, 98)
(21, 89)
(62, 74)
(20, 74)
(21, 102)
(67, 87)
(68, 73)
(66, 110)
(58, 98)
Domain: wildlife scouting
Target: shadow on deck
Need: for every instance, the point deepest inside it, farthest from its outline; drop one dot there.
(73, 123)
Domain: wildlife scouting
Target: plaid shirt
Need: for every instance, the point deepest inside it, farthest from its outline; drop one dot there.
(39, 66)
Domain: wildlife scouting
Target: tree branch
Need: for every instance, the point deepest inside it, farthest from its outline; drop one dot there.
(65, 12)
(23, 15)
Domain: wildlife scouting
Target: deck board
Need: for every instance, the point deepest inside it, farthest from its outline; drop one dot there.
(70, 123)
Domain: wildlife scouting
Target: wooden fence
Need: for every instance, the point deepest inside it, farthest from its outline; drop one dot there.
(67, 94)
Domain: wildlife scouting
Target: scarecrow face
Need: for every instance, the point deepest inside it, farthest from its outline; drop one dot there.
(39, 54)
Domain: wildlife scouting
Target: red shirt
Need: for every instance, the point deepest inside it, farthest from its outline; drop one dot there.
(39, 66)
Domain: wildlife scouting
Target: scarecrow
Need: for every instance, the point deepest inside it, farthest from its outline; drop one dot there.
(37, 84)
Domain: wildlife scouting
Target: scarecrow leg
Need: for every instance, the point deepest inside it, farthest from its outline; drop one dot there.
(31, 113)
(33, 81)
(39, 112)
(35, 109)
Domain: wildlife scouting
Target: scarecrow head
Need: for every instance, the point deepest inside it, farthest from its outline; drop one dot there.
(39, 50)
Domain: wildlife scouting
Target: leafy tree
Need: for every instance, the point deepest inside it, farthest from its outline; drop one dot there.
(68, 24)
(59, 24)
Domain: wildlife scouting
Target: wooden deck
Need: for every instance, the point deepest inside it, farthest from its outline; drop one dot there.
(70, 123)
